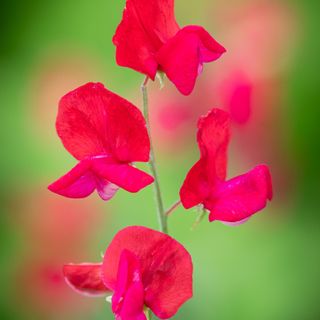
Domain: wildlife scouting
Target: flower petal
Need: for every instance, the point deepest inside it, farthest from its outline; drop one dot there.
(79, 182)
(126, 131)
(93, 121)
(210, 49)
(106, 189)
(85, 278)
(81, 122)
(213, 139)
(122, 175)
(128, 297)
(166, 267)
(145, 26)
(182, 56)
(239, 198)
(235, 224)
(179, 59)
(195, 188)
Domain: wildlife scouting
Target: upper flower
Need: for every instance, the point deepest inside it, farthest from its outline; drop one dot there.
(106, 133)
(232, 201)
(142, 267)
(149, 39)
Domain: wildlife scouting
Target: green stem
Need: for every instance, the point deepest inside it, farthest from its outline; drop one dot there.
(172, 208)
(201, 214)
(162, 218)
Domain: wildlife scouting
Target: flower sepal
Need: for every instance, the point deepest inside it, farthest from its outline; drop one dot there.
(161, 76)
(201, 213)
(147, 312)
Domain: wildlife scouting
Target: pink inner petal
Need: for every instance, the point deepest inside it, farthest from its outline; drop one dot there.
(128, 298)
(106, 189)
(234, 224)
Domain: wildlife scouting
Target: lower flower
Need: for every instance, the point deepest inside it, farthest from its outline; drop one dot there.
(141, 268)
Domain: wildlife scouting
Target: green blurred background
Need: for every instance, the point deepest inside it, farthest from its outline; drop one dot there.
(267, 268)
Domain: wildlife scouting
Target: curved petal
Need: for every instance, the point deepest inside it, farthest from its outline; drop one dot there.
(242, 196)
(179, 59)
(235, 224)
(122, 175)
(126, 131)
(210, 170)
(81, 123)
(79, 182)
(195, 188)
(105, 189)
(85, 278)
(166, 267)
(128, 297)
(94, 121)
(182, 56)
(210, 49)
(145, 26)
(213, 139)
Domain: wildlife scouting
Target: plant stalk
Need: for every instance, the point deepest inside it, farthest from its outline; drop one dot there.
(162, 217)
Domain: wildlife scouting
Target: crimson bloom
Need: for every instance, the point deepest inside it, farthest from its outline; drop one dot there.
(106, 133)
(149, 39)
(141, 267)
(232, 201)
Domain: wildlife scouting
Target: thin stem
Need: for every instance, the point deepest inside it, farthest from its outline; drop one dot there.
(172, 208)
(201, 214)
(162, 218)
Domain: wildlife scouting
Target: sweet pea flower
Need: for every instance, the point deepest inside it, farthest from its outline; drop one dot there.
(141, 268)
(231, 201)
(106, 133)
(148, 40)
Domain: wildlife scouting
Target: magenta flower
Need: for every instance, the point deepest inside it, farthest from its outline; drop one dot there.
(149, 39)
(231, 201)
(106, 133)
(141, 267)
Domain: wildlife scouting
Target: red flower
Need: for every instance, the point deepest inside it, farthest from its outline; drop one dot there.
(149, 39)
(232, 201)
(106, 133)
(141, 267)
